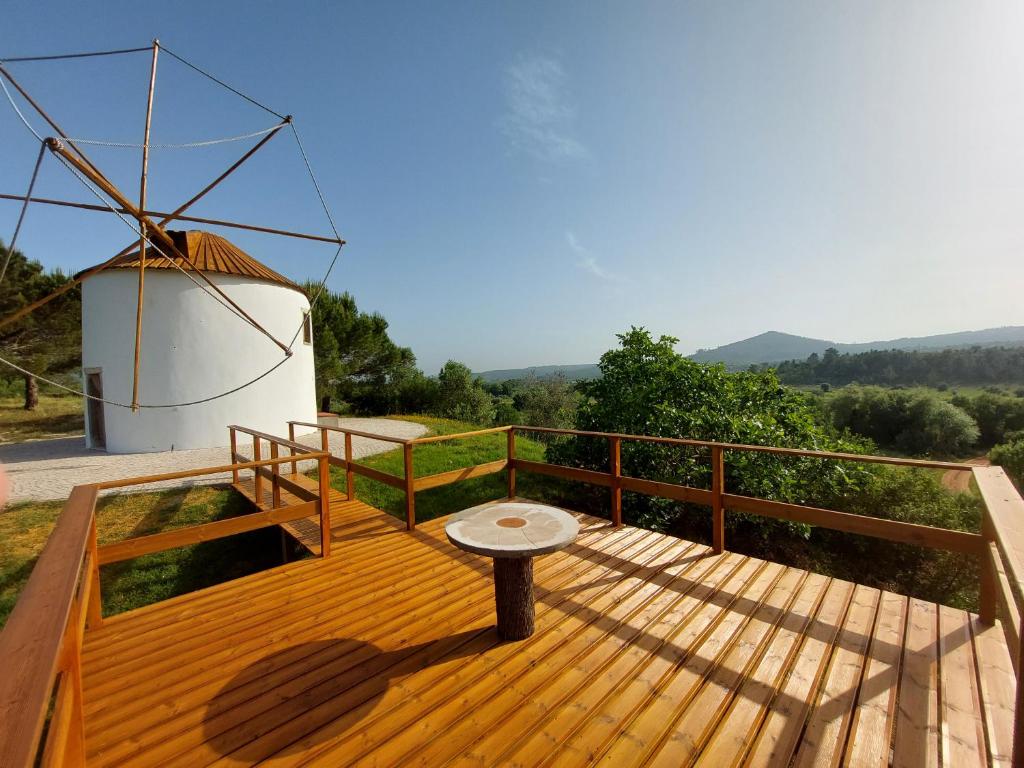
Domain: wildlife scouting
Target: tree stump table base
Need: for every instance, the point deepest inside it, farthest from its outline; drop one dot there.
(513, 597)
(513, 533)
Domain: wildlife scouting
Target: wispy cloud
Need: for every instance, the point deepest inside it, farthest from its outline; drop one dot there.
(586, 260)
(539, 116)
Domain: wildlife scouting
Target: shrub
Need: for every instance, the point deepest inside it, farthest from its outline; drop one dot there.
(1010, 456)
(647, 388)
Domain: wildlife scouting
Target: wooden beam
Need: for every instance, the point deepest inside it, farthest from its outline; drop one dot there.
(155, 232)
(717, 507)
(891, 530)
(196, 534)
(457, 475)
(565, 473)
(615, 464)
(375, 474)
(667, 490)
(142, 226)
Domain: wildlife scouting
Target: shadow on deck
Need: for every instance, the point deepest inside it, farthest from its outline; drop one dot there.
(649, 650)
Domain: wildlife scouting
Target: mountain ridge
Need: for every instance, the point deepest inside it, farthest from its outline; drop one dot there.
(777, 346)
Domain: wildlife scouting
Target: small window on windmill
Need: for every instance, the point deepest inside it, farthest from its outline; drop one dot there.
(307, 329)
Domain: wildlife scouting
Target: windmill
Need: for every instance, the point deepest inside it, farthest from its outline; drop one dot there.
(154, 238)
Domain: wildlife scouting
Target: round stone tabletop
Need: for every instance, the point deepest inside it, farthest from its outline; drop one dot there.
(512, 529)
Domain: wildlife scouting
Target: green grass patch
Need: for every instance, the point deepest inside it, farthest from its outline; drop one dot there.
(55, 416)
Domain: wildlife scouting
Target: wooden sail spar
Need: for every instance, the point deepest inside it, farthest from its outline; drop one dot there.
(149, 231)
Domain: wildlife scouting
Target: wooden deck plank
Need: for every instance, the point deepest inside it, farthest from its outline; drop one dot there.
(995, 674)
(824, 739)
(871, 732)
(917, 722)
(641, 736)
(736, 729)
(962, 729)
(648, 649)
(689, 734)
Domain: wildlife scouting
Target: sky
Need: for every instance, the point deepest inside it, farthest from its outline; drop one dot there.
(518, 182)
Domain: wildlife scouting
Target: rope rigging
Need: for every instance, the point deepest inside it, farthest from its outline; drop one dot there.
(24, 208)
(141, 230)
(186, 145)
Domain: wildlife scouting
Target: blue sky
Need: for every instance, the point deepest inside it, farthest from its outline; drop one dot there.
(518, 182)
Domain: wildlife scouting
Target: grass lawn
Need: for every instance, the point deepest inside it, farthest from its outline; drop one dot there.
(55, 416)
(24, 528)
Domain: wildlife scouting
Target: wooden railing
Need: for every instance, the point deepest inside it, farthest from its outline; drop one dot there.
(41, 644)
(271, 470)
(408, 483)
(1002, 576)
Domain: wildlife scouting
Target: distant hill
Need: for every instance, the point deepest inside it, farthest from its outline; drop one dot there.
(571, 372)
(774, 347)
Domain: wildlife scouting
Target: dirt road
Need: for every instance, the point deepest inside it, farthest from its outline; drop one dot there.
(960, 482)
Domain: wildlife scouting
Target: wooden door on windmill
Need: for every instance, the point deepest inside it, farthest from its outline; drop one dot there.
(97, 430)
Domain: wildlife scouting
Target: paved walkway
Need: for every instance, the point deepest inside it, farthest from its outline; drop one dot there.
(48, 469)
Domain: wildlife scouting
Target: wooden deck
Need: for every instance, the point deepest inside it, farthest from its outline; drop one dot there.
(649, 650)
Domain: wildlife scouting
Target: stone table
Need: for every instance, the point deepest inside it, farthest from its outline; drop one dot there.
(513, 533)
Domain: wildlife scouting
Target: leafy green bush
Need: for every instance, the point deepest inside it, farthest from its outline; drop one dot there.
(995, 413)
(1010, 456)
(914, 422)
(462, 396)
(646, 388)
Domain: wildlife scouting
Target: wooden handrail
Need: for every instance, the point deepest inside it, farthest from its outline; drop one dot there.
(273, 439)
(200, 472)
(32, 642)
(459, 435)
(1002, 575)
(835, 455)
(356, 432)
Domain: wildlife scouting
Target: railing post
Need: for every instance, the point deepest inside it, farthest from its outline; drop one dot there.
(350, 476)
(325, 507)
(74, 749)
(257, 478)
(511, 462)
(291, 438)
(410, 491)
(275, 472)
(717, 507)
(615, 460)
(987, 593)
(94, 610)
(234, 451)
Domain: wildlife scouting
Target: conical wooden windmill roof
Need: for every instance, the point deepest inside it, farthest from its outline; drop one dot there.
(207, 252)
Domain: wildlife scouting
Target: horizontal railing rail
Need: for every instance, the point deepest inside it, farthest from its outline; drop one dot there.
(41, 643)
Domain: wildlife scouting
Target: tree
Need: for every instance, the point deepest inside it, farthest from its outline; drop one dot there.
(647, 388)
(462, 396)
(548, 402)
(1010, 456)
(355, 359)
(49, 340)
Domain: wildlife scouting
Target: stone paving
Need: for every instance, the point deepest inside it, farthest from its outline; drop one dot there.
(42, 470)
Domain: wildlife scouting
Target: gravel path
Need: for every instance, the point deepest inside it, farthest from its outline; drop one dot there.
(48, 469)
